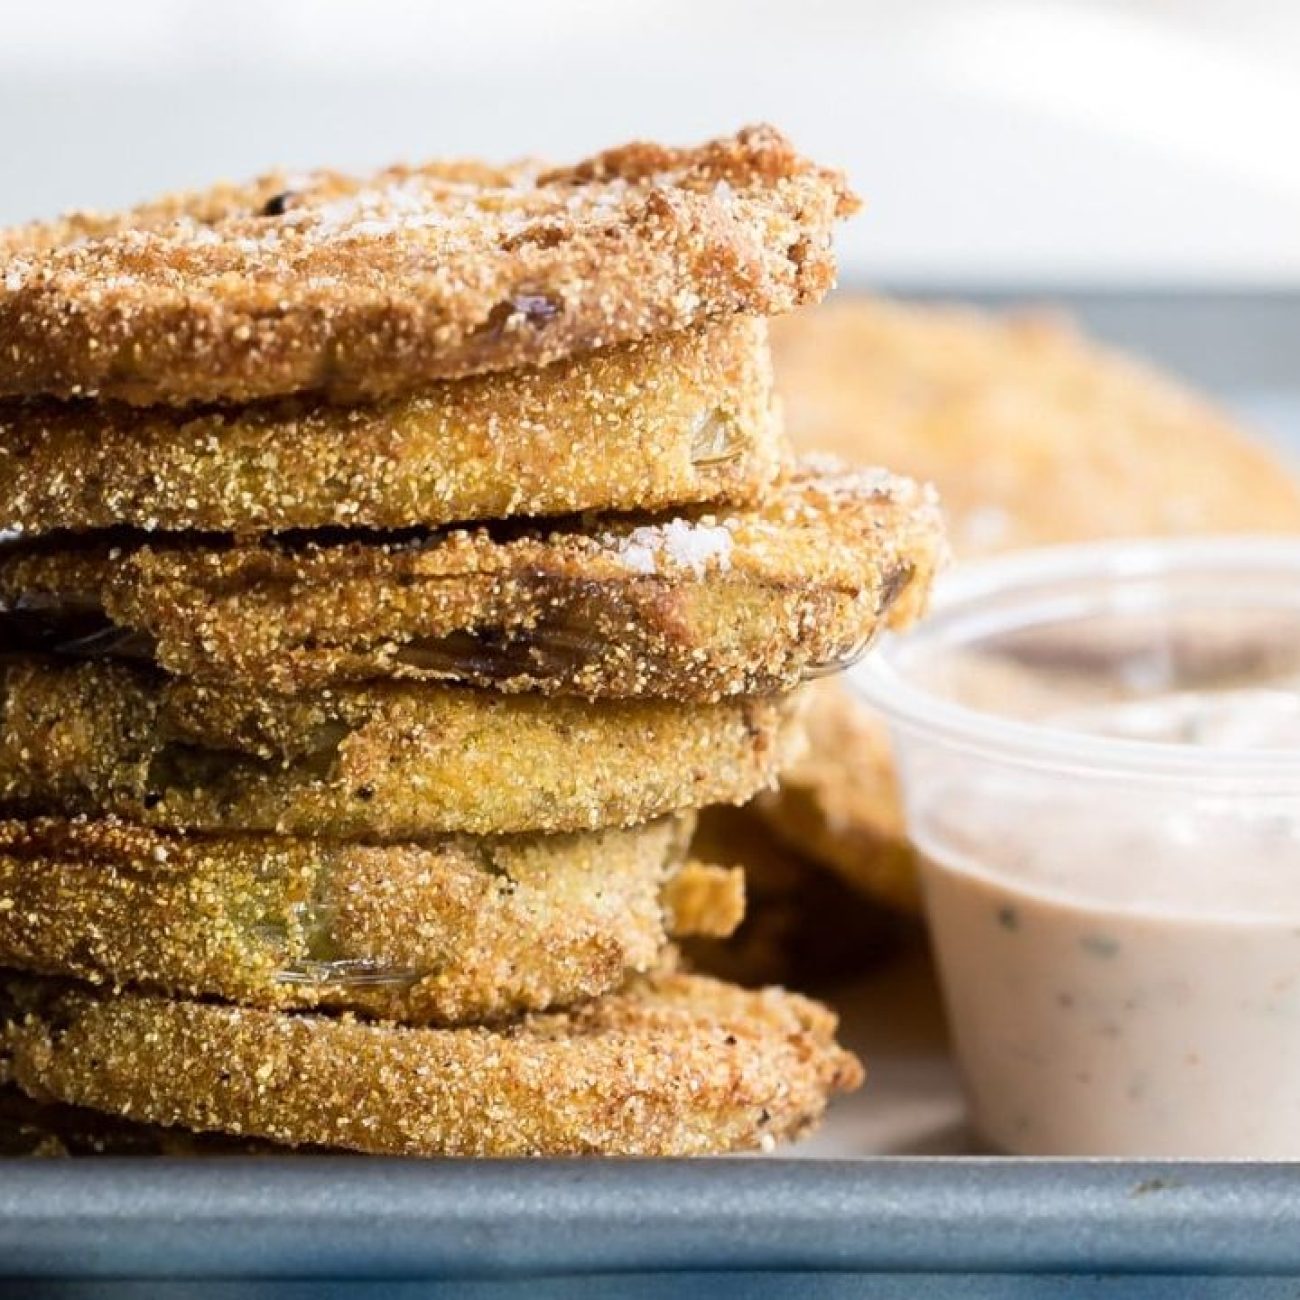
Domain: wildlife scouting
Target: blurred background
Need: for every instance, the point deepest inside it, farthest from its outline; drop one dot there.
(1079, 142)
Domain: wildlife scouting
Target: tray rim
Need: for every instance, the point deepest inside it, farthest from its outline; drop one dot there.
(358, 1217)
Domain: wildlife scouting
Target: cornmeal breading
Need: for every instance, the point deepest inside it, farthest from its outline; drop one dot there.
(676, 1065)
(379, 762)
(673, 420)
(692, 607)
(457, 930)
(367, 286)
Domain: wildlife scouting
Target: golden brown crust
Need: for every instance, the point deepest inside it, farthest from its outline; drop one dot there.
(705, 899)
(455, 931)
(362, 287)
(674, 420)
(380, 763)
(748, 602)
(1033, 435)
(676, 1066)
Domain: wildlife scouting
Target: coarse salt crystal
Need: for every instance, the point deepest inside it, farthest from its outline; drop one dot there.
(683, 544)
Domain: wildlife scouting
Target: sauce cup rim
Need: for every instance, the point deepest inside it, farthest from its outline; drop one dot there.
(917, 713)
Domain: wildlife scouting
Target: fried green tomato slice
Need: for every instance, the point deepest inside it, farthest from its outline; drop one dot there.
(377, 762)
(362, 287)
(674, 420)
(458, 930)
(674, 1065)
(695, 607)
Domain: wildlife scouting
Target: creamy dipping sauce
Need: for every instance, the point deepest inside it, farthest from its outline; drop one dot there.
(1121, 966)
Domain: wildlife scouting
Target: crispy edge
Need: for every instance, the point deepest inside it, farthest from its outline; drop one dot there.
(340, 288)
(680, 1065)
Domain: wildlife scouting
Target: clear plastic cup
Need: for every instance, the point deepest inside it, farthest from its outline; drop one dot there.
(1099, 751)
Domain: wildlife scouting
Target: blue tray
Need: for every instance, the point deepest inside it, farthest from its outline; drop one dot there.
(950, 1223)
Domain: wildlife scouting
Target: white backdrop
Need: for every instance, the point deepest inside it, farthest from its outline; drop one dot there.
(1031, 140)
